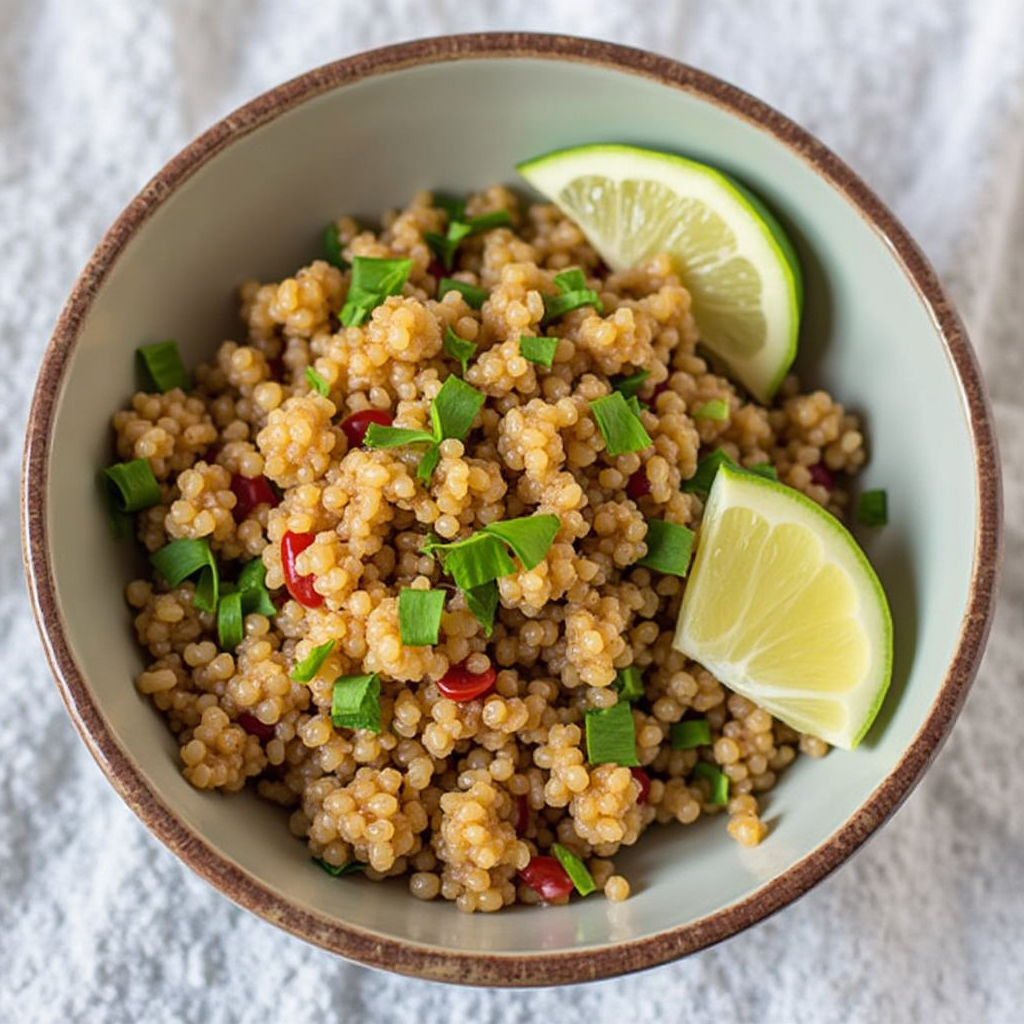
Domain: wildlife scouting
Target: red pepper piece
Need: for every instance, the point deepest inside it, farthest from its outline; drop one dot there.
(251, 491)
(522, 814)
(436, 269)
(458, 683)
(638, 485)
(354, 425)
(822, 476)
(645, 784)
(300, 587)
(254, 727)
(547, 878)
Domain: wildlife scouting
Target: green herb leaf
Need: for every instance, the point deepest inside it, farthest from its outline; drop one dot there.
(621, 429)
(229, 620)
(873, 508)
(182, 558)
(718, 779)
(610, 735)
(355, 702)
(454, 408)
(716, 409)
(253, 588)
(131, 486)
(538, 350)
(630, 386)
(380, 436)
(332, 247)
(317, 382)
(311, 663)
(630, 683)
(691, 733)
(573, 293)
(353, 867)
(575, 869)
(765, 469)
(419, 616)
(427, 464)
(474, 561)
(488, 221)
(442, 247)
(373, 280)
(163, 366)
(458, 348)
(482, 601)
(455, 208)
(528, 536)
(475, 297)
(669, 546)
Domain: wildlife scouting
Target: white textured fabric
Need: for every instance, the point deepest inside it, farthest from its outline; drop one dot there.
(99, 923)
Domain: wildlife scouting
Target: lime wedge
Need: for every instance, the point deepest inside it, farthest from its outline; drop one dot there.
(733, 256)
(783, 607)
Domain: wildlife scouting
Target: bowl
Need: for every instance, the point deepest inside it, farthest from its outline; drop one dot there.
(248, 199)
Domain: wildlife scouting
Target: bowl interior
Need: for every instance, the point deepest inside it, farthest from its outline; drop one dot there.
(256, 210)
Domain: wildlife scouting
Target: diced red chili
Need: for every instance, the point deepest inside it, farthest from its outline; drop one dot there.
(822, 476)
(458, 683)
(645, 784)
(254, 727)
(547, 878)
(522, 814)
(354, 425)
(251, 491)
(300, 587)
(638, 485)
(435, 268)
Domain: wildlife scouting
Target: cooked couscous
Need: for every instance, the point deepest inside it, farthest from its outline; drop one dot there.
(470, 765)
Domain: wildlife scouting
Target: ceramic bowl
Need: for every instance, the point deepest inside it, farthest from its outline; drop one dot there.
(248, 199)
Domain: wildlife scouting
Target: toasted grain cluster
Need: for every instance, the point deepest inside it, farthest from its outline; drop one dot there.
(459, 795)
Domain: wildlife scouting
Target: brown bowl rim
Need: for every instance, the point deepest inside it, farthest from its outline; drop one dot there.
(482, 968)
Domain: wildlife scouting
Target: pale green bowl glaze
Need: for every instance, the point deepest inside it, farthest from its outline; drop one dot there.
(249, 199)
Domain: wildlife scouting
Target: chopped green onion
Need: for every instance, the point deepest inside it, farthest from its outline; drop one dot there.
(575, 869)
(373, 280)
(669, 546)
(621, 429)
(529, 537)
(631, 385)
(630, 683)
(475, 297)
(163, 366)
(332, 247)
(610, 735)
(765, 469)
(572, 294)
(482, 601)
(419, 616)
(184, 557)
(253, 588)
(444, 246)
(718, 779)
(131, 486)
(636, 406)
(311, 663)
(540, 350)
(458, 348)
(873, 508)
(474, 561)
(427, 464)
(355, 702)
(716, 409)
(701, 481)
(229, 620)
(454, 408)
(353, 867)
(380, 436)
(691, 733)
(488, 221)
(317, 382)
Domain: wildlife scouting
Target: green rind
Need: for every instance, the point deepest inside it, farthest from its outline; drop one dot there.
(834, 526)
(772, 230)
